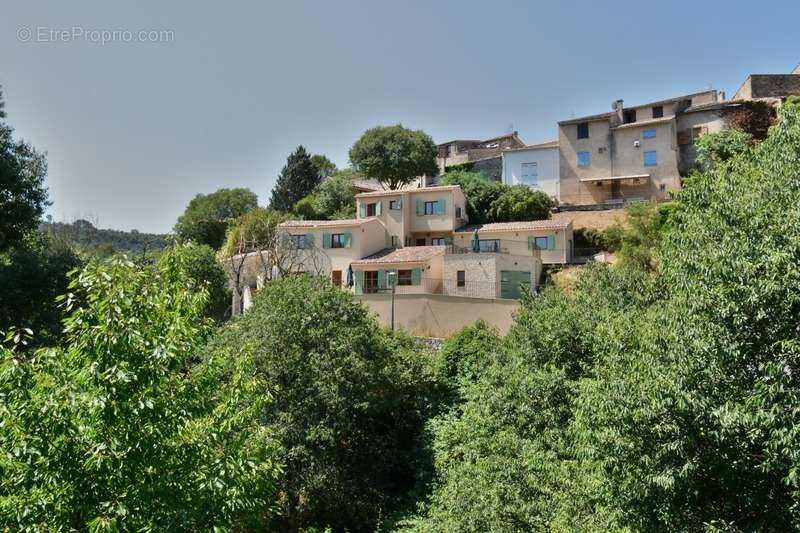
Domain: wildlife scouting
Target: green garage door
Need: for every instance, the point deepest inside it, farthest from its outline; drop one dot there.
(510, 283)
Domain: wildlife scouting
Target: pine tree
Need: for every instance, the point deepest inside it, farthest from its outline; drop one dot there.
(298, 178)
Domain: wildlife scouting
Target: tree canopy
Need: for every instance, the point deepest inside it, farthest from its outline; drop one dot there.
(298, 178)
(24, 195)
(206, 218)
(394, 155)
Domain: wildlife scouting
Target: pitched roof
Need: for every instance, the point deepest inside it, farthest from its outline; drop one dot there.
(515, 226)
(539, 146)
(325, 223)
(409, 254)
(401, 191)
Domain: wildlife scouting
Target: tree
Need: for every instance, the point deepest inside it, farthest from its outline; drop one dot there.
(298, 178)
(123, 427)
(207, 216)
(716, 148)
(520, 203)
(480, 192)
(325, 167)
(32, 274)
(636, 240)
(24, 195)
(333, 199)
(200, 264)
(350, 403)
(394, 155)
(306, 208)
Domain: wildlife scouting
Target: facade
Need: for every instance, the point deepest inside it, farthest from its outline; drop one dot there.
(483, 156)
(536, 166)
(769, 87)
(551, 240)
(629, 154)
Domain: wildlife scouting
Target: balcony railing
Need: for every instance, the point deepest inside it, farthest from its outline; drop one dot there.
(488, 290)
(492, 246)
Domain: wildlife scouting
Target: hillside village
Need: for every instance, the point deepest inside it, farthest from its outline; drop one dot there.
(413, 256)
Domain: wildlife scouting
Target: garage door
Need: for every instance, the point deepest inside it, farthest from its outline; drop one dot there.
(510, 283)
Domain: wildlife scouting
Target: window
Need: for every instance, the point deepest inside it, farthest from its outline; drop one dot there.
(662, 187)
(583, 130)
(337, 240)
(458, 212)
(438, 241)
(650, 159)
(371, 210)
(540, 242)
(649, 134)
(461, 278)
(370, 281)
(430, 207)
(336, 278)
(530, 174)
(421, 242)
(684, 137)
(395, 241)
(394, 204)
(584, 159)
(699, 131)
(628, 116)
(404, 277)
(658, 111)
(489, 245)
(298, 241)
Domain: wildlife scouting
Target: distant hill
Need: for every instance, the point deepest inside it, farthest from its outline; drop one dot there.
(103, 242)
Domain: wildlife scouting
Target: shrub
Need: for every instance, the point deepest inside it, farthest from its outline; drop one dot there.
(480, 192)
(520, 203)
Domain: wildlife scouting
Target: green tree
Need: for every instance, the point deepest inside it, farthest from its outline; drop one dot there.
(333, 199)
(200, 264)
(520, 203)
(32, 274)
(636, 239)
(480, 192)
(298, 178)
(24, 195)
(119, 429)
(206, 218)
(325, 167)
(394, 155)
(716, 148)
(306, 208)
(349, 403)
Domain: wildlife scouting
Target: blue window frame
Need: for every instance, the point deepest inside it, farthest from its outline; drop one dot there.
(649, 134)
(650, 159)
(584, 159)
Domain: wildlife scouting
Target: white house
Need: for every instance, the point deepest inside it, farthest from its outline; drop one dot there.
(536, 166)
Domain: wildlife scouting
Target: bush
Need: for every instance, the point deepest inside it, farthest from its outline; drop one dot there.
(520, 203)
(480, 192)
(347, 408)
(200, 266)
(119, 429)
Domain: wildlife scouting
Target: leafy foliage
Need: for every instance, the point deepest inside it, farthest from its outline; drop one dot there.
(207, 216)
(251, 231)
(394, 155)
(349, 402)
(519, 202)
(119, 429)
(32, 275)
(325, 167)
(298, 178)
(636, 239)
(200, 266)
(333, 199)
(480, 192)
(24, 195)
(716, 148)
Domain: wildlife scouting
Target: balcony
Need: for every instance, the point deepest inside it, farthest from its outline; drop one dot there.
(492, 246)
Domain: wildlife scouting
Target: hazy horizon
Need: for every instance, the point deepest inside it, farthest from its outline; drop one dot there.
(191, 97)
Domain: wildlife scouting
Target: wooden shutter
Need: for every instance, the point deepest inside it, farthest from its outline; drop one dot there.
(416, 276)
(362, 210)
(420, 207)
(309, 240)
(382, 279)
(532, 242)
(358, 281)
(378, 209)
(441, 207)
(551, 242)
(347, 237)
(326, 240)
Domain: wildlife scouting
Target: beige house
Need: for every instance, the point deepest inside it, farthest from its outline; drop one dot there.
(551, 239)
(628, 154)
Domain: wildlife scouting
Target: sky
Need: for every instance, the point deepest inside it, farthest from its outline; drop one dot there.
(142, 105)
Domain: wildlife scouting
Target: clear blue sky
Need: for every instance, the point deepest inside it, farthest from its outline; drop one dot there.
(134, 130)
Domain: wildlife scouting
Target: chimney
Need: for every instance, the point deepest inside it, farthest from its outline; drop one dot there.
(617, 106)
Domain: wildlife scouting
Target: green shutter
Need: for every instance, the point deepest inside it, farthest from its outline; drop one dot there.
(326, 240)
(416, 276)
(420, 207)
(347, 237)
(382, 279)
(551, 242)
(362, 210)
(399, 204)
(441, 207)
(531, 242)
(358, 281)
(378, 209)
(309, 240)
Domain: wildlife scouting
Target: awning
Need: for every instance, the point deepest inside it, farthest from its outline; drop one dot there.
(632, 177)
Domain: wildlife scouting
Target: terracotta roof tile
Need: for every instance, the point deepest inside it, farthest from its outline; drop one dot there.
(399, 191)
(409, 254)
(325, 223)
(515, 226)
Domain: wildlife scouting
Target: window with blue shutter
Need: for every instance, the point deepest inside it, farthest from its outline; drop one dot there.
(650, 159)
(326, 240)
(382, 275)
(584, 159)
(649, 134)
(441, 209)
(551, 242)
(416, 276)
(420, 207)
(362, 211)
(347, 239)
